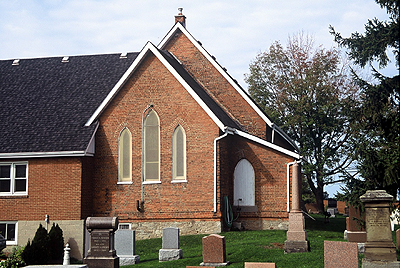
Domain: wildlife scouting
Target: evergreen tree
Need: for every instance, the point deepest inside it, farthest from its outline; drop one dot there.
(56, 243)
(378, 119)
(36, 252)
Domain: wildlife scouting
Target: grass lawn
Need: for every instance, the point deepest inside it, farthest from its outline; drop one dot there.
(251, 246)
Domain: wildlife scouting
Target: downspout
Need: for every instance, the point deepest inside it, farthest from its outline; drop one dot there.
(288, 184)
(139, 207)
(227, 130)
(273, 133)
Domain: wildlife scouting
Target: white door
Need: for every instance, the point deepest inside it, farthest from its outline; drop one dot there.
(243, 184)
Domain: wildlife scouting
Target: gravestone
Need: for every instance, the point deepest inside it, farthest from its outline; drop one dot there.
(214, 251)
(332, 203)
(332, 211)
(340, 254)
(296, 236)
(379, 248)
(355, 233)
(170, 245)
(259, 265)
(125, 247)
(101, 253)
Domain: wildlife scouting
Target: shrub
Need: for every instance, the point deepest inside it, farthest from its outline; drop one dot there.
(44, 246)
(56, 243)
(15, 259)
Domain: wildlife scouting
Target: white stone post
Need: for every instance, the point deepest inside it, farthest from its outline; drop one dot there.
(66, 255)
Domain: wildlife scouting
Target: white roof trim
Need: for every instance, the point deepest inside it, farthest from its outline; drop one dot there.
(44, 154)
(149, 47)
(223, 73)
(267, 144)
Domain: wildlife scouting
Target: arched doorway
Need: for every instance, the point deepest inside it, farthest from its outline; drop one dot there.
(244, 184)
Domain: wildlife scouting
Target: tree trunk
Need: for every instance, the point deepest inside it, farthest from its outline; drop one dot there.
(318, 192)
(319, 196)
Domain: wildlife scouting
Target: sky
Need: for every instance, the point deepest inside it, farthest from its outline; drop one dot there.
(233, 31)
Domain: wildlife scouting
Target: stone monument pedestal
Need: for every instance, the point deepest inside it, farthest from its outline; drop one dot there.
(170, 254)
(380, 250)
(101, 253)
(296, 236)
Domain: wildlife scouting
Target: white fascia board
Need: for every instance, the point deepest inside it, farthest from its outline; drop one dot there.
(45, 154)
(267, 144)
(216, 65)
(91, 148)
(121, 82)
(151, 48)
(224, 74)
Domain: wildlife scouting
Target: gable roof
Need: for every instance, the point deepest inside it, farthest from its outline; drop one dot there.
(217, 114)
(50, 106)
(179, 27)
(45, 102)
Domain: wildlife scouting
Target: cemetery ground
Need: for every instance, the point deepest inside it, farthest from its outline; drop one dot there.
(253, 246)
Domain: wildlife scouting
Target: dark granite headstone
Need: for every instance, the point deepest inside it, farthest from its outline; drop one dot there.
(101, 253)
(332, 203)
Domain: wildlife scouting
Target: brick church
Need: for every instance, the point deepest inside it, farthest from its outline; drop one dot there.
(162, 137)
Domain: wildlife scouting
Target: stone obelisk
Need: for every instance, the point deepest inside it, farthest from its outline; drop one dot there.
(296, 237)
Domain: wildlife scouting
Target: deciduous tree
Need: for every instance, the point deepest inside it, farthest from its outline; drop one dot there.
(308, 91)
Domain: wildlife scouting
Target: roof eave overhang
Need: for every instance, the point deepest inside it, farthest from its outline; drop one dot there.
(267, 144)
(44, 154)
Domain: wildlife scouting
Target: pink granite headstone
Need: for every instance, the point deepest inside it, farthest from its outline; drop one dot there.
(214, 250)
(259, 265)
(340, 254)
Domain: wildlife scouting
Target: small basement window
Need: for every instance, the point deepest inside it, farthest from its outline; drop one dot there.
(124, 226)
(9, 231)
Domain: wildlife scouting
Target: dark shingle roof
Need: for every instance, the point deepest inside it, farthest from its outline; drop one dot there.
(45, 103)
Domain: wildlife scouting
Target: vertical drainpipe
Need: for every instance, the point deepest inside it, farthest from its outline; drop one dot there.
(288, 184)
(227, 130)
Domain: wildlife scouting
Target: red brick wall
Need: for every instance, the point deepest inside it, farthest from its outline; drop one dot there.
(270, 176)
(54, 188)
(216, 85)
(153, 84)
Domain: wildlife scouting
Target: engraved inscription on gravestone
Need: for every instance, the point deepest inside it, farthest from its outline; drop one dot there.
(100, 243)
